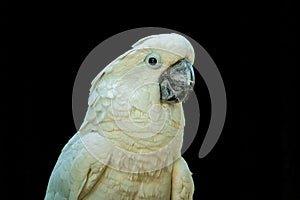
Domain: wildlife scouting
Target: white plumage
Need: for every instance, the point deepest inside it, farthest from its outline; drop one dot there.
(128, 146)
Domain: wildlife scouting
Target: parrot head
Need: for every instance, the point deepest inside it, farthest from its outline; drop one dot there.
(174, 55)
(165, 59)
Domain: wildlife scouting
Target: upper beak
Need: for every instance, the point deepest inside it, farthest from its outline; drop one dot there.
(177, 82)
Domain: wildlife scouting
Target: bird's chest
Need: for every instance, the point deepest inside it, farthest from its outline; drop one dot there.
(120, 185)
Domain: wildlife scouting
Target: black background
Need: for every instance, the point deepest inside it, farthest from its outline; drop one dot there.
(252, 45)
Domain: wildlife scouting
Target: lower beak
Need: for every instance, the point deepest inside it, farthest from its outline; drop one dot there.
(177, 82)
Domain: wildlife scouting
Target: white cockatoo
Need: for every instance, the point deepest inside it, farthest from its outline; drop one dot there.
(129, 145)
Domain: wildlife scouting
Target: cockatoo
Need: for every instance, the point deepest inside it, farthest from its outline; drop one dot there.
(129, 144)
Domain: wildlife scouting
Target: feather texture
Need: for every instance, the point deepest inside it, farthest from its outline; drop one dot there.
(128, 146)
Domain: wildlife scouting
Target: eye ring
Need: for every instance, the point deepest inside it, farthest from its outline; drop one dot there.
(153, 60)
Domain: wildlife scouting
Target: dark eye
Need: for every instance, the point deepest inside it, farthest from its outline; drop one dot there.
(153, 60)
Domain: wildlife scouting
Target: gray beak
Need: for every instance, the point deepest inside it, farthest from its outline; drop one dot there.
(177, 82)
